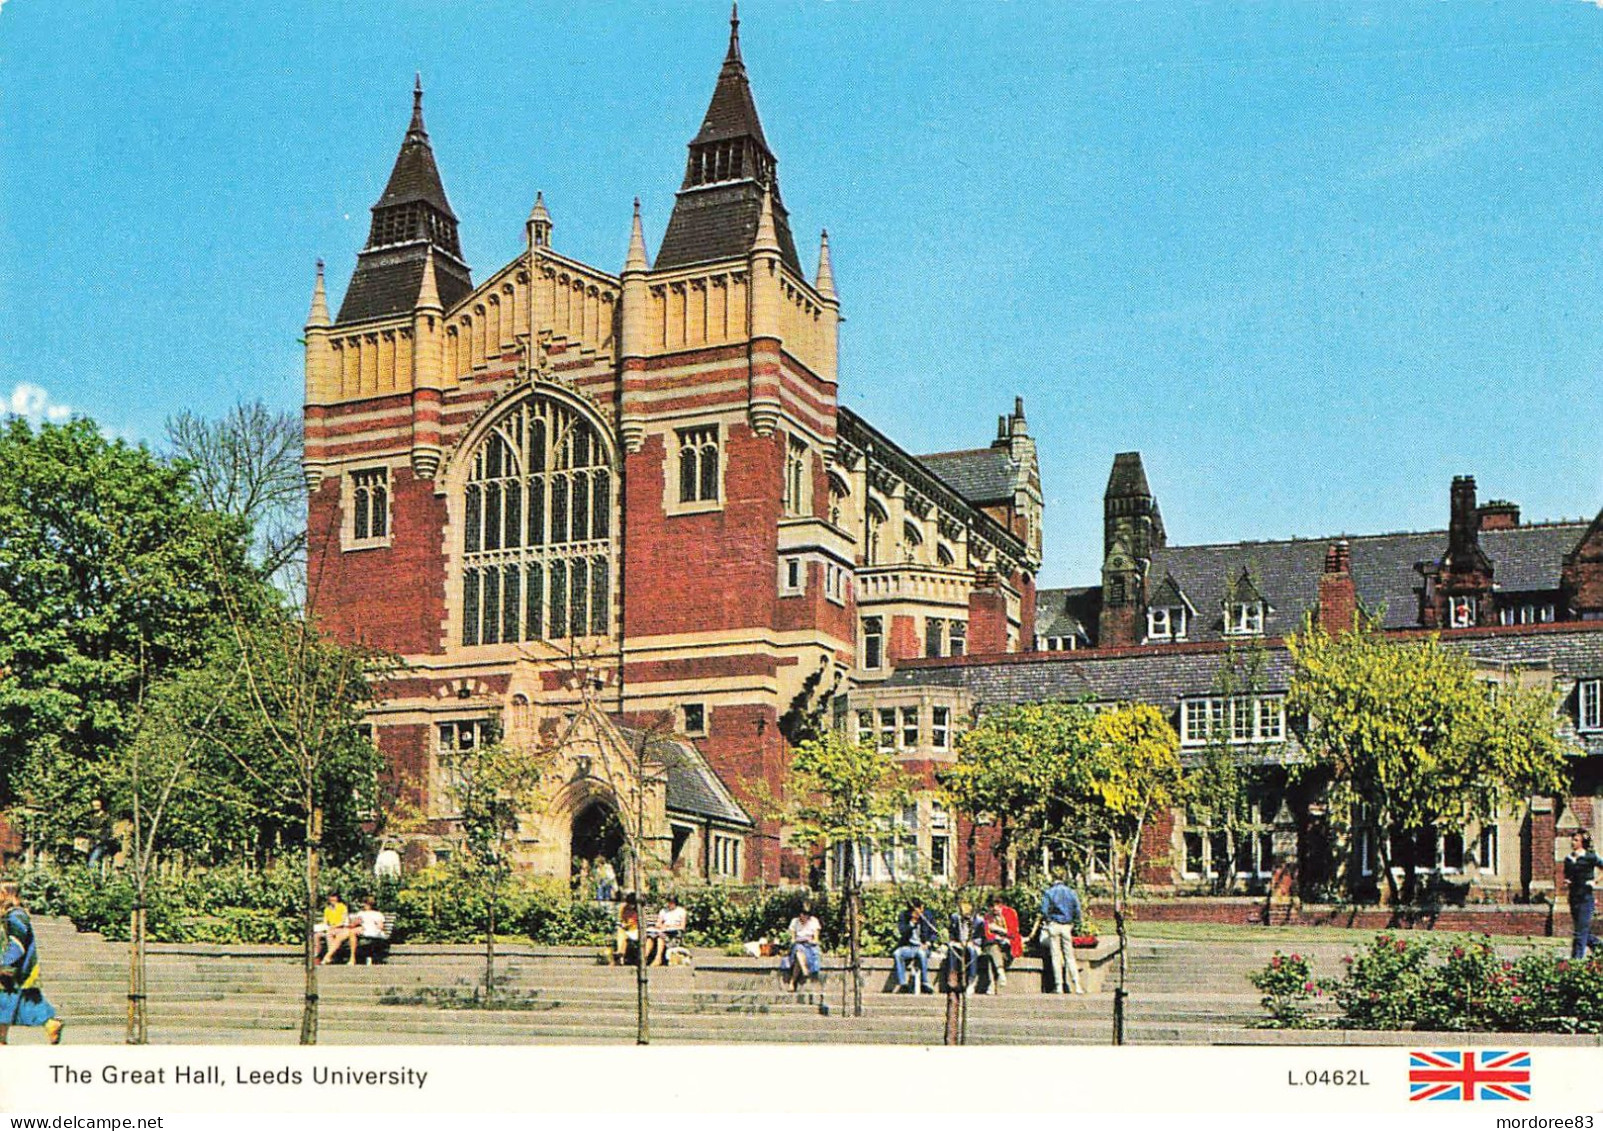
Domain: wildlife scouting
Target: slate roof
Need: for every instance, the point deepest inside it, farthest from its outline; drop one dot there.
(386, 282)
(412, 214)
(415, 177)
(693, 787)
(719, 222)
(1163, 675)
(1128, 476)
(980, 475)
(732, 113)
(1526, 559)
(1068, 612)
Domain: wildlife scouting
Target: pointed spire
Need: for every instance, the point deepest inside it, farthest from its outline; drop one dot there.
(318, 316)
(415, 176)
(733, 56)
(636, 260)
(538, 212)
(417, 109)
(428, 292)
(767, 239)
(411, 218)
(824, 281)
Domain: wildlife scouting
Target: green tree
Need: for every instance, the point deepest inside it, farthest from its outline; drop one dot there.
(845, 793)
(302, 749)
(1412, 738)
(1068, 780)
(107, 583)
(1008, 773)
(495, 787)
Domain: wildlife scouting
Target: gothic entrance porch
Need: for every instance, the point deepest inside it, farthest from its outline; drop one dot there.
(597, 837)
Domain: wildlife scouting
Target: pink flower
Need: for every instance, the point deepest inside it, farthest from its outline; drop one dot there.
(1458, 952)
(1518, 1000)
(1563, 966)
(1348, 960)
(1296, 958)
(1275, 962)
(1308, 987)
(1401, 946)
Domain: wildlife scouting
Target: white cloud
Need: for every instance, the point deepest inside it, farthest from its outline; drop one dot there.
(32, 401)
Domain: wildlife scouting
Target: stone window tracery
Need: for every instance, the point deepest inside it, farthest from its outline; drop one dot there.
(537, 529)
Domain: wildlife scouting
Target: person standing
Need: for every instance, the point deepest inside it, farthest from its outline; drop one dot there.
(21, 1002)
(606, 877)
(1579, 874)
(1060, 912)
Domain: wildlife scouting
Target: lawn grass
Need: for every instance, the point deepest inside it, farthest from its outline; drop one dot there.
(1272, 937)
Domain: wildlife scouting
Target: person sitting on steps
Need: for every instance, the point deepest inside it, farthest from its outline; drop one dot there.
(802, 960)
(668, 933)
(915, 934)
(628, 931)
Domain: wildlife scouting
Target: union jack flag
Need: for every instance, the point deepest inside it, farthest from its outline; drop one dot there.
(1482, 1075)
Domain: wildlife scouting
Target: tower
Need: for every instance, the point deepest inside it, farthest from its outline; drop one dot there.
(1132, 530)
(727, 412)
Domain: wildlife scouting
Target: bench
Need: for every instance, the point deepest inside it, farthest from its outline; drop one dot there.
(375, 949)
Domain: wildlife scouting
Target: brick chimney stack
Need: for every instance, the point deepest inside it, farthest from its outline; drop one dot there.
(1338, 597)
(1499, 514)
(1463, 530)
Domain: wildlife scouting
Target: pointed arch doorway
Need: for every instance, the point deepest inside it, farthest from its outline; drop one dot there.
(597, 837)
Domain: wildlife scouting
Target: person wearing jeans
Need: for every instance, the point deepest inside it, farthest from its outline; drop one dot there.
(1060, 912)
(1579, 868)
(915, 934)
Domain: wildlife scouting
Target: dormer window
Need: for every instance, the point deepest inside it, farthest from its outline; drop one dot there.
(1166, 622)
(1461, 612)
(1244, 618)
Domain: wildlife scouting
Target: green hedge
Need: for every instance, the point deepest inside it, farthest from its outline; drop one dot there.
(236, 904)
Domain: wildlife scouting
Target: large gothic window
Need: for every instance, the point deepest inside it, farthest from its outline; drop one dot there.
(537, 529)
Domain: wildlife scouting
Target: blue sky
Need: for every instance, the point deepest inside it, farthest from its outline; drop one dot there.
(1310, 260)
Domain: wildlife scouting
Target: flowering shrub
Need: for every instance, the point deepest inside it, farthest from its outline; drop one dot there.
(1289, 988)
(1452, 985)
(1382, 988)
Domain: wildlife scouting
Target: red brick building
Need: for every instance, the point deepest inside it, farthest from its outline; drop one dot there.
(563, 486)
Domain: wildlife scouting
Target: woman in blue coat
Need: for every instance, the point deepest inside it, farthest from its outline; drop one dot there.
(21, 1003)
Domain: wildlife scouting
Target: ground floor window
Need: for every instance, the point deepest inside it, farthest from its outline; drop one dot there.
(725, 856)
(1239, 849)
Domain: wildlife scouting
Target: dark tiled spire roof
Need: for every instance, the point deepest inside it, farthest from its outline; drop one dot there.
(715, 214)
(1128, 478)
(410, 217)
(415, 176)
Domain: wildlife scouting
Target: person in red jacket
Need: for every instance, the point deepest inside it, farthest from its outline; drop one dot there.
(1002, 942)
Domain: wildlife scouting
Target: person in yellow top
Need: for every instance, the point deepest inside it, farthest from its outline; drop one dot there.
(337, 926)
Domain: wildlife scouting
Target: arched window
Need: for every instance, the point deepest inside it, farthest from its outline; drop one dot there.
(912, 540)
(875, 543)
(838, 494)
(943, 554)
(537, 529)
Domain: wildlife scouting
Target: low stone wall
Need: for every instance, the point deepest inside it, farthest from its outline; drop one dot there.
(1491, 918)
